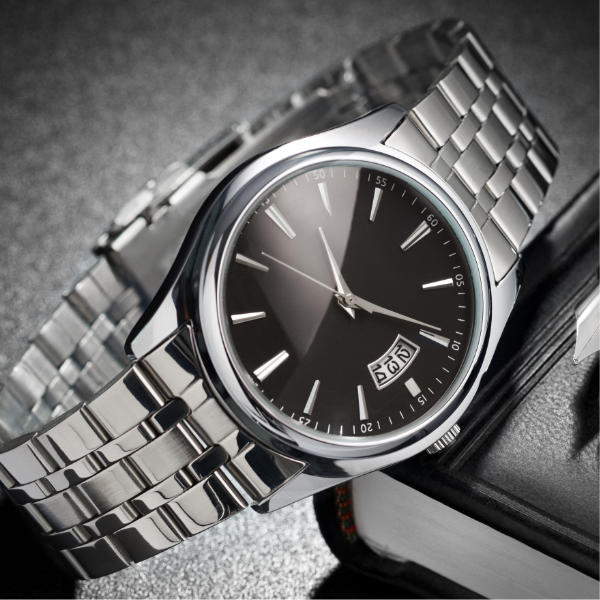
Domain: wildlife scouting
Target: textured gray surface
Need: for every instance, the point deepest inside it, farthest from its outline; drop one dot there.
(96, 97)
(282, 555)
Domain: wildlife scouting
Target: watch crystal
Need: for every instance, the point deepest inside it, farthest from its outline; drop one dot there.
(349, 301)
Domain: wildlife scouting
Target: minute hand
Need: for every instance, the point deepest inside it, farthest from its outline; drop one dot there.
(358, 302)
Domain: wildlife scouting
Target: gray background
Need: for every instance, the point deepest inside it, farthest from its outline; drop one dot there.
(96, 97)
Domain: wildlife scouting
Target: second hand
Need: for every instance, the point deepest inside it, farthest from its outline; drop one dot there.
(297, 271)
(357, 302)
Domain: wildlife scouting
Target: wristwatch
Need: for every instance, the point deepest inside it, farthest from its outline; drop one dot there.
(262, 323)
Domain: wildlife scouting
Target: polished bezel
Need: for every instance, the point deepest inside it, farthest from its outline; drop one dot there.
(234, 204)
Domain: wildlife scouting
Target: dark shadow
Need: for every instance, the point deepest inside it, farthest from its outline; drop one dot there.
(28, 571)
(347, 583)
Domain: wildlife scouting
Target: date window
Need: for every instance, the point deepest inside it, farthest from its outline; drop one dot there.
(388, 367)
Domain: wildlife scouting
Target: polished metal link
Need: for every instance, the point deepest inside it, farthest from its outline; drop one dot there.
(147, 467)
(166, 480)
(116, 461)
(472, 129)
(201, 506)
(75, 353)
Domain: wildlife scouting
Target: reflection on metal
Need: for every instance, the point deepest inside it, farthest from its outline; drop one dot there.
(413, 387)
(375, 204)
(275, 215)
(248, 262)
(434, 337)
(245, 317)
(442, 283)
(265, 370)
(362, 404)
(416, 236)
(588, 324)
(446, 440)
(325, 196)
(312, 398)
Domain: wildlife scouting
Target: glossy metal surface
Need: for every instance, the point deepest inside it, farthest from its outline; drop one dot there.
(155, 456)
(350, 457)
(446, 440)
(587, 327)
(150, 461)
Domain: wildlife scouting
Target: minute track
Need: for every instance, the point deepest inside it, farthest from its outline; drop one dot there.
(333, 254)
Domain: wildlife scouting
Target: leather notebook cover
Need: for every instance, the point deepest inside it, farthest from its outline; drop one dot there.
(525, 466)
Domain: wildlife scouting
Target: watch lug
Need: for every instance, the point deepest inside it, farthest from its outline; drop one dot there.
(169, 307)
(301, 486)
(165, 313)
(161, 323)
(367, 131)
(504, 294)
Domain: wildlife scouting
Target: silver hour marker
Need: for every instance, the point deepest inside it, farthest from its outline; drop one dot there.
(325, 196)
(412, 387)
(312, 397)
(416, 236)
(362, 404)
(275, 215)
(442, 283)
(434, 337)
(248, 262)
(265, 370)
(375, 205)
(245, 317)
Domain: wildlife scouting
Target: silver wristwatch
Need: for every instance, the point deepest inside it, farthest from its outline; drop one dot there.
(262, 323)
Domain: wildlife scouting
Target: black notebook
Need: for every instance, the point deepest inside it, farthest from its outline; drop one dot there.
(511, 508)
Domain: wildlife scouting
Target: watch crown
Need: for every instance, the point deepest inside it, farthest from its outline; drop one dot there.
(446, 440)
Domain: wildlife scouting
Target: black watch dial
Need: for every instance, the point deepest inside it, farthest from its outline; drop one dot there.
(349, 301)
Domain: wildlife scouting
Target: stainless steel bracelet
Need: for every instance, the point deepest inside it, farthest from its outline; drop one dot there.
(135, 466)
(150, 461)
(473, 130)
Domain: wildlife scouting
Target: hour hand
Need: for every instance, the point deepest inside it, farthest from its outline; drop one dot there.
(340, 283)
